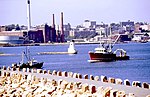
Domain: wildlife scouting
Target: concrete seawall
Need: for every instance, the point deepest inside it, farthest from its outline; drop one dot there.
(51, 53)
(113, 85)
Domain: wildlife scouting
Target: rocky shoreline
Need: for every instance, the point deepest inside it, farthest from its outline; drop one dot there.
(42, 83)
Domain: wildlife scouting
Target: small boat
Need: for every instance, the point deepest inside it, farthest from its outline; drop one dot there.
(104, 53)
(122, 56)
(71, 49)
(31, 63)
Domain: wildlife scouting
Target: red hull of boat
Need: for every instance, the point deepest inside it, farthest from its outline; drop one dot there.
(102, 57)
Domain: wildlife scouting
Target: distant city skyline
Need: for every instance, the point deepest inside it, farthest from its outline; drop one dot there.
(75, 11)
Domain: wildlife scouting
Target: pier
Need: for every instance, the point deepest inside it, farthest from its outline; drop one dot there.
(71, 84)
(52, 53)
(7, 54)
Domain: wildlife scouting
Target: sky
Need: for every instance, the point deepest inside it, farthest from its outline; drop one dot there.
(75, 11)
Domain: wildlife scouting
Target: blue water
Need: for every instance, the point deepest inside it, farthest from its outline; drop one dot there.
(138, 68)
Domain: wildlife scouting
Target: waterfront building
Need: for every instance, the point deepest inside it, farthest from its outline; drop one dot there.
(137, 37)
(11, 40)
(137, 28)
(48, 32)
(124, 38)
(19, 33)
(145, 27)
(101, 30)
(89, 24)
(67, 29)
(129, 25)
(36, 36)
(2, 28)
(12, 37)
(71, 33)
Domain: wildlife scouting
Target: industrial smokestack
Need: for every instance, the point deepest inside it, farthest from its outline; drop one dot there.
(28, 15)
(53, 25)
(62, 28)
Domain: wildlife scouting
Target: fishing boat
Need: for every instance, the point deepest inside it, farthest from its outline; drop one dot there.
(31, 63)
(104, 53)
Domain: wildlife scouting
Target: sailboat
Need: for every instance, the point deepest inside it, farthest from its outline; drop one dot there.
(31, 63)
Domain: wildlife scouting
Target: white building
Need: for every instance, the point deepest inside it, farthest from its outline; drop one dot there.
(100, 30)
(137, 36)
(89, 24)
(145, 27)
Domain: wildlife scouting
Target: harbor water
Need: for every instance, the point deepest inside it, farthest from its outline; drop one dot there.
(135, 69)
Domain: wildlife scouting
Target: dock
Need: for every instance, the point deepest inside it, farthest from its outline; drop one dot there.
(7, 54)
(52, 53)
(85, 85)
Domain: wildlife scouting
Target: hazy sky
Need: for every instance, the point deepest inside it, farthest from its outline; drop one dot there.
(75, 11)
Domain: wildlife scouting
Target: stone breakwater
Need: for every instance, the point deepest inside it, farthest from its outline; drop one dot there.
(43, 83)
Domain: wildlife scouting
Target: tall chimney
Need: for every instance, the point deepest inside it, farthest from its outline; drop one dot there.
(62, 28)
(53, 25)
(28, 15)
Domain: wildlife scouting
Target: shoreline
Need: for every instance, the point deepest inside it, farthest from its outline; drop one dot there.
(49, 44)
(97, 82)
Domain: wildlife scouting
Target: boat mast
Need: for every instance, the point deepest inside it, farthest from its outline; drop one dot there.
(27, 53)
(110, 46)
(29, 58)
(22, 60)
(100, 38)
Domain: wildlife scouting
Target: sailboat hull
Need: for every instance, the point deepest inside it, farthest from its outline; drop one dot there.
(107, 57)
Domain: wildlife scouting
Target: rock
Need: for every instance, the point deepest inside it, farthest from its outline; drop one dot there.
(54, 72)
(85, 76)
(113, 93)
(28, 70)
(111, 80)
(91, 77)
(79, 76)
(69, 86)
(59, 73)
(63, 84)
(44, 71)
(70, 74)
(33, 71)
(85, 87)
(24, 69)
(118, 81)
(39, 71)
(104, 78)
(126, 82)
(145, 85)
(121, 94)
(49, 72)
(92, 89)
(75, 75)
(96, 78)
(136, 83)
(8, 68)
(106, 91)
(64, 73)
